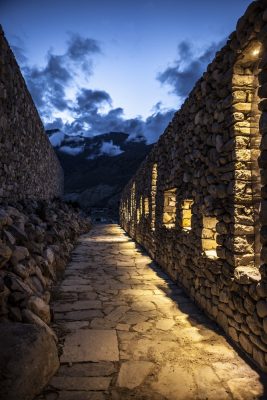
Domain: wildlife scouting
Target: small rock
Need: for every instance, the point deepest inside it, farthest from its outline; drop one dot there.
(49, 255)
(19, 254)
(262, 308)
(40, 308)
(133, 373)
(5, 254)
(29, 316)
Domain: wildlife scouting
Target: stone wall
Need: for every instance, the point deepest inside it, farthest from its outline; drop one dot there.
(29, 167)
(198, 203)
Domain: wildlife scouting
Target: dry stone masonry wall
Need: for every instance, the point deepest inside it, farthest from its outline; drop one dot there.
(198, 203)
(37, 234)
(29, 167)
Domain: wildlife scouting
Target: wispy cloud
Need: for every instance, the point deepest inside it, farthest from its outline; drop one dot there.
(110, 149)
(188, 67)
(72, 151)
(90, 111)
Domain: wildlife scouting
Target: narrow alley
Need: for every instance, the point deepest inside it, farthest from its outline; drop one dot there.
(128, 332)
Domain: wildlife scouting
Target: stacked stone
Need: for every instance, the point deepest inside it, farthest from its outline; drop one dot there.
(36, 239)
(29, 167)
(213, 154)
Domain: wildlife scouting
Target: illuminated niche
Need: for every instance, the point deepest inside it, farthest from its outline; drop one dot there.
(154, 176)
(138, 215)
(209, 234)
(141, 205)
(186, 210)
(133, 201)
(169, 211)
(146, 206)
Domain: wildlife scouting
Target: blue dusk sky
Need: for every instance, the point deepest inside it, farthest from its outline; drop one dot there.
(94, 66)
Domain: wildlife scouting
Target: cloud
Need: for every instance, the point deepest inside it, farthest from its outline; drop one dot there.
(89, 100)
(72, 151)
(78, 110)
(188, 67)
(90, 122)
(57, 123)
(110, 149)
(48, 84)
(80, 48)
(57, 138)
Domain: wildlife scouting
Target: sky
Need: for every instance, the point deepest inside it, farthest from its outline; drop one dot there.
(94, 66)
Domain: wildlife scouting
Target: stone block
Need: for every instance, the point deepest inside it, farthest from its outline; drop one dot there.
(261, 307)
(91, 345)
(245, 343)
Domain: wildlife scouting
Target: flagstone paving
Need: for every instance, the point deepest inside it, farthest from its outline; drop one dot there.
(128, 332)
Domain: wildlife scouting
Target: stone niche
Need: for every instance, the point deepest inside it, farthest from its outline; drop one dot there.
(209, 235)
(186, 214)
(169, 212)
(146, 206)
(214, 153)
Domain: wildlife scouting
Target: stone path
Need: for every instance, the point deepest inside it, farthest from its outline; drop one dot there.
(127, 332)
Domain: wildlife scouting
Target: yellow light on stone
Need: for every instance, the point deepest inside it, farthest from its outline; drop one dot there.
(255, 52)
(211, 254)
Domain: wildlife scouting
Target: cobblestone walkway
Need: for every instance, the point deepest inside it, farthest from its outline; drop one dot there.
(127, 332)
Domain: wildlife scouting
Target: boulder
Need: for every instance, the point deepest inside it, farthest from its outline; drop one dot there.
(28, 360)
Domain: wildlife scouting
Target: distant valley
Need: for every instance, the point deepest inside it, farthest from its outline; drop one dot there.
(97, 168)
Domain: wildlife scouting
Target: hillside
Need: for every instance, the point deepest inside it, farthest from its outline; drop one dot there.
(97, 168)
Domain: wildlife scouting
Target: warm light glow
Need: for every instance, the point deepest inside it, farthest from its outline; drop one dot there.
(153, 194)
(146, 206)
(211, 254)
(138, 215)
(209, 234)
(256, 51)
(169, 212)
(187, 214)
(133, 200)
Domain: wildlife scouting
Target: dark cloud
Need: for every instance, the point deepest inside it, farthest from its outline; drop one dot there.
(89, 122)
(187, 69)
(80, 50)
(48, 87)
(48, 84)
(79, 47)
(90, 100)
(55, 69)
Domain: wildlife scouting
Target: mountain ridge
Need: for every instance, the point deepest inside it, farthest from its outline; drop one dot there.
(97, 168)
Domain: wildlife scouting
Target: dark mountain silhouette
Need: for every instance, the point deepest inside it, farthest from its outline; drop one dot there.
(97, 168)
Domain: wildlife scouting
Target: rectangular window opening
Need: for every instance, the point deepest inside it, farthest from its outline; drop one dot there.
(209, 234)
(154, 176)
(169, 211)
(146, 206)
(187, 214)
(141, 205)
(133, 201)
(138, 215)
